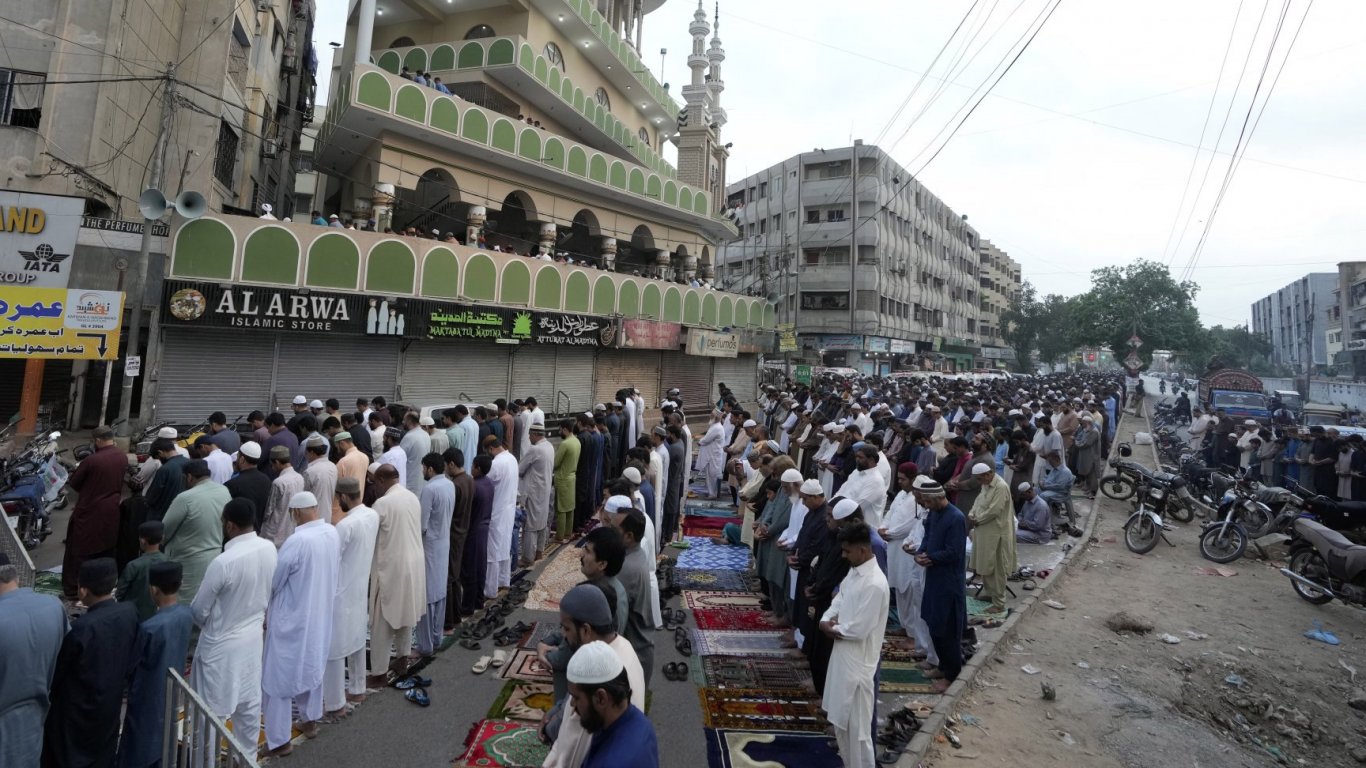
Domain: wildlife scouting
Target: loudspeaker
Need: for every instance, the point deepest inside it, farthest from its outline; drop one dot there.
(152, 204)
(191, 205)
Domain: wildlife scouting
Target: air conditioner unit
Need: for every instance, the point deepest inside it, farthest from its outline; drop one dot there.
(269, 147)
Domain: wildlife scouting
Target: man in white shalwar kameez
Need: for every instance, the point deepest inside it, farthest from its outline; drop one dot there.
(356, 532)
(1047, 441)
(862, 420)
(503, 473)
(299, 625)
(941, 431)
(833, 435)
(230, 610)
(784, 436)
(865, 484)
(711, 455)
(398, 590)
(438, 508)
(903, 529)
(856, 620)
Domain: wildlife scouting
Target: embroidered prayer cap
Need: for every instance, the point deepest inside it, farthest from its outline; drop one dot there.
(838, 429)
(315, 440)
(303, 500)
(340, 436)
(791, 476)
(631, 474)
(1023, 487)
(348, 485)
(394, 432)
(615, 504)
(374, 467)
(662, 432)
(812, 488)
(594, 663)
(315, 403)
(426, 421)
(251, 450)
(585, 604)
(923, 481)
(300, 400)
(536, 428)
(279, 452)
(829, 426)
(168, 432)
(844, 508)
(980, 469)
(749, 423)
(773, 446)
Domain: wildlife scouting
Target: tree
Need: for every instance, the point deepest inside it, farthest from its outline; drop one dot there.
(1140, 298)
(1034, 323)
(1057, 336)
(1221, 347)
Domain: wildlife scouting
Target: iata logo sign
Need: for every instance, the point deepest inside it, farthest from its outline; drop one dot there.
(43, 259)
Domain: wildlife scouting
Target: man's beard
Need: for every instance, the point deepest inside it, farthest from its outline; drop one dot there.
(592, 720)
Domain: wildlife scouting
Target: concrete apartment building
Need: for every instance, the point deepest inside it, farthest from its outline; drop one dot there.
(914, 293)
(81, 98)
(1295, 320)
(1347, 317)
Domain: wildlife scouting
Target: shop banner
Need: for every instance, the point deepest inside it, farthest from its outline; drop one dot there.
(276, 309)
(462, 322)
(876, 344)
(712, 344)
(37, 238)
(573, 330)
(648, 334)
(902, 347)
(755, 342)
(60, 324)
(827, 342)
(802, 374)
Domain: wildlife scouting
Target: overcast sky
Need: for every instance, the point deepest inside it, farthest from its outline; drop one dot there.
(1079, 157)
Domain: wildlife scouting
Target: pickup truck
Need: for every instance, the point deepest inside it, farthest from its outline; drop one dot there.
(1237, 392)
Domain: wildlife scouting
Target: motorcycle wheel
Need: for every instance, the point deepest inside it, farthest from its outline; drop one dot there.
(1308, 564)
(62, 500)
(1180, 512)
(1223, 544)
(1116, 487)
(1258, 523)
(1141, 534)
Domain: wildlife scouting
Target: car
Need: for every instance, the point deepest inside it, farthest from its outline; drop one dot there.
(435, 411)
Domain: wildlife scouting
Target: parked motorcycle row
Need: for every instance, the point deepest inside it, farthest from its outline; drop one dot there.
(33, 484)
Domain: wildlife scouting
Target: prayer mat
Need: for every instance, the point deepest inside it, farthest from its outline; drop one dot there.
(896, 649)
(524, 665)
(705, 554)
(978, 608)
(503, 744)
(755, 709)
(706, 533)
(708, 509)
(785, 675)
(710, 522)
(766, 749)
(48, 583)
(559, 576)
(697, 599)
(751, 619)
(903, 677)
(522, 700)
(733, 581)
(539, 631)
(717, 642)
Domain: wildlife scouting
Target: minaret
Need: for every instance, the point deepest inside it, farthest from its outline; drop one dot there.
(695, 139)
(719, 153)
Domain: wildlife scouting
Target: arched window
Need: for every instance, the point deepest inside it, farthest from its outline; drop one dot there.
(644, 136)
(402, 42)
(554, 56)
(600, 96)
(482, 30)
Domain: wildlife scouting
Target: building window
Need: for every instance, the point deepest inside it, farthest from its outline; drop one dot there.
(813, 217)
(603, 100)
(825, 300)
(238, 53)
(21, 98)
(554, 56)
(225, 155)
(479, 31)
(644, 136)
(402, 42)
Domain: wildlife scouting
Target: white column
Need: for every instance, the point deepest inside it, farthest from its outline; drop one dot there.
(365, 30)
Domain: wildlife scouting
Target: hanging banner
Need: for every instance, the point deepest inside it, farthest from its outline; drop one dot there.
(572, 330)
(277, 309)
(458, 321)
(712, 344)
(901, 347)
(876, 344)
(846, 342)
(37, 238)
(60, 324)
(648, 334)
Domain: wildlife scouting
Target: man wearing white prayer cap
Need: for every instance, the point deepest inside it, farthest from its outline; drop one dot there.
(992, 521)
(1034, 522)
(770, 553)
(601, 696)
(299, 625)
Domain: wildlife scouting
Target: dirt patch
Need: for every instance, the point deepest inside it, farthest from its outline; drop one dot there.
(1123, 622)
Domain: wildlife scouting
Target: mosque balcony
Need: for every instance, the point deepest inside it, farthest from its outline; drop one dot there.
(513, 63)
(372, 102)
(226, 250)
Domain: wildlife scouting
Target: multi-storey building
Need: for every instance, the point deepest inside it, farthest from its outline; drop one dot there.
(82, 89)
(1001, 283)
(873, 270)
(1294, 321)
(1348, 314)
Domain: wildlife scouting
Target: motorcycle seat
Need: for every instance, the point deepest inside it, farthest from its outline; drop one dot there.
(1336, 549)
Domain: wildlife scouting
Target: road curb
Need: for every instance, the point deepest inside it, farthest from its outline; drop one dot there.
(924, 738)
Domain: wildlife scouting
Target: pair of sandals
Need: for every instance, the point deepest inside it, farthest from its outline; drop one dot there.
(415, 689)
(682, 641)
(498, 659)
(896, 735)
(673, 618)
(511, 634)
(676, 671)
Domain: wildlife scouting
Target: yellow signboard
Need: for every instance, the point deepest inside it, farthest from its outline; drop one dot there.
(60, 323)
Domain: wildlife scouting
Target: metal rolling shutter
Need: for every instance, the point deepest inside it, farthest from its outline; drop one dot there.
(740, 374)
(206, 370)
(618, 368)
(692, 375)
(574, 377)
(533, 374)
(319, 367)
(436, 372)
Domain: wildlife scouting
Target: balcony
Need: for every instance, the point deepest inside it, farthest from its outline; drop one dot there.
(372, 101)
(512, 62)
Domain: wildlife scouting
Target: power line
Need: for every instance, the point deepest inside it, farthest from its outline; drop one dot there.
(195, 49)
(121, 59)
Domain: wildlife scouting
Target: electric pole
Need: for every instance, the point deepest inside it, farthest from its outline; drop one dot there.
(137, 285)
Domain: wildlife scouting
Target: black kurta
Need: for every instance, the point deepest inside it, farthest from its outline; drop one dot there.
(93, 668)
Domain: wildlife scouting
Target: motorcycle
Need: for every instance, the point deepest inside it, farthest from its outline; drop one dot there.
(1145, 525)
(1240, 515)
(33, 484)
(1324, 565)
(1122, 483)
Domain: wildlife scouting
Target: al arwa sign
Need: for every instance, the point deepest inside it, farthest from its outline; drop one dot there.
(247, 306)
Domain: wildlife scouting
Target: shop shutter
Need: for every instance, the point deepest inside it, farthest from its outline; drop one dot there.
(56, 389)
(437, 372)
(533, 374)
(618, 368)
(319, 367)
(203, 370)
(692, 375)
(740, 374)
(574, 377)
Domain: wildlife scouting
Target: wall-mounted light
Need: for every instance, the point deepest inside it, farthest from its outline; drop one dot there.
(379, 11)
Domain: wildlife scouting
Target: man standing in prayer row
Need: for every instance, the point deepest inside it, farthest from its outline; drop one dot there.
(250, 482)
(277, 524)
(438, 507)
(94, 525)
(534, 493)
(193, 530)
(320, 476)
(93, 667)
(394, 454)
(566, 479)
(460, 531)
(31, 636)
(163, 642)
(440, 442)
(943, 555)
(635, 578)
(415, 444)
(866, 484)
(903, 529)
(357, 529)
(299, 625)
(992, 520)
(855, 622)
(397, 579)
(770, 558)
(475, 563)
(711, 455)
(230, 610)
(503, 473)
(353, 464)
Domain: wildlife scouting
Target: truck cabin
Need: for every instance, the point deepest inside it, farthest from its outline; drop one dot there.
(1291, 399)
(1323, 415)
(1244, 405)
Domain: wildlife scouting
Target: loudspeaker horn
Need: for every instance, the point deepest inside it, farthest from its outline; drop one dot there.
(191, 205)
(152, 204)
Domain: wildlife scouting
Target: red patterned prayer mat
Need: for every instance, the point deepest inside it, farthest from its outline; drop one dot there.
(733, 618)
(503, 744)
(756, 709)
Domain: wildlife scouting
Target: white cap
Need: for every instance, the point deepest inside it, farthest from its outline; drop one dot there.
(300, 400)
(632, 474)
(748, 423)
(315, 403)
(303, 500)
(426, 421)
(829, 426)
(1014, 412)
(1087, 418)
(1249, 423)
(593, 664)
(791, 476)
(251, 450)
(1022, 487)
(168, 432)
(615, 504)
(600, 407)
(844, 508)
(812, 488)
(374, 467)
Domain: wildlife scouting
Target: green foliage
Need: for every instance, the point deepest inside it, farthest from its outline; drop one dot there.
(1034, 323)
(1139, 298)
(1235, 347)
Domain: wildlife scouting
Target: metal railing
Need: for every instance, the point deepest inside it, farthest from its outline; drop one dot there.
(192, 736)
(568, 403)
(18, 556)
